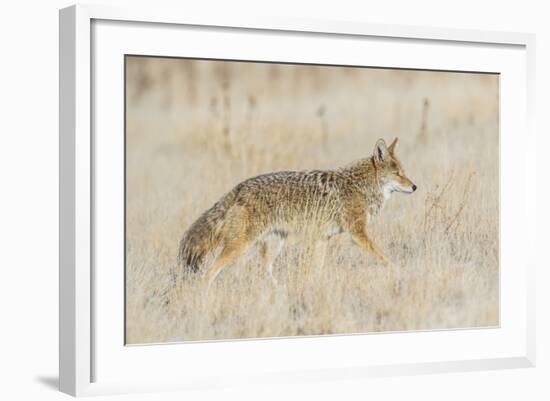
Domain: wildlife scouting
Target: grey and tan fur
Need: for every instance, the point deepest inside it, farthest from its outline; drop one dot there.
(288, 202)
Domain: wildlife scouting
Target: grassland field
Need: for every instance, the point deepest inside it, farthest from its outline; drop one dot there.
(194, 129)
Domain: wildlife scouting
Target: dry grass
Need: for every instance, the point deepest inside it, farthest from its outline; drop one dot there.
(196, 128)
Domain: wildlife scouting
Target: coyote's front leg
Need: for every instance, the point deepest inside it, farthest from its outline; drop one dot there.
(361, 238)
(355, 222)
(358, 230)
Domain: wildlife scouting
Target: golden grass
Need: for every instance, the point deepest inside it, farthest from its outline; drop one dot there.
(197, 128)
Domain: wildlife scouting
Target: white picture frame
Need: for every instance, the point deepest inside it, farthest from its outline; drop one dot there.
(86, 351)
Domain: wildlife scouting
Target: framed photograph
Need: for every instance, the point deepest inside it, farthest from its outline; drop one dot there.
(276, 200)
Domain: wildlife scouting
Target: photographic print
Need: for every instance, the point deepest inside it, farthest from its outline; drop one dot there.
(280, 200)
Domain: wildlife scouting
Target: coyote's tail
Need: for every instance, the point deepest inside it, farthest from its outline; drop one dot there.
(204, 234)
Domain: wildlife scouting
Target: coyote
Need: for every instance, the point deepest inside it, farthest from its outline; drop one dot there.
(282, 203)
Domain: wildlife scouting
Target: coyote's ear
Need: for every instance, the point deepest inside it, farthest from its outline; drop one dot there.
(380, 150)
(391, 148)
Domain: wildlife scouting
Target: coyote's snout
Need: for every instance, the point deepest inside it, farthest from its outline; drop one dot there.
(283, 203)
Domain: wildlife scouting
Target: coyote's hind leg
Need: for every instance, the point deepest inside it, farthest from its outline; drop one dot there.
(320, 251)
(269, 250)
(229, 253)
(236, 238)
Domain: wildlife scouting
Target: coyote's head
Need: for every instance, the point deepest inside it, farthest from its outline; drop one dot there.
(390, 174)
